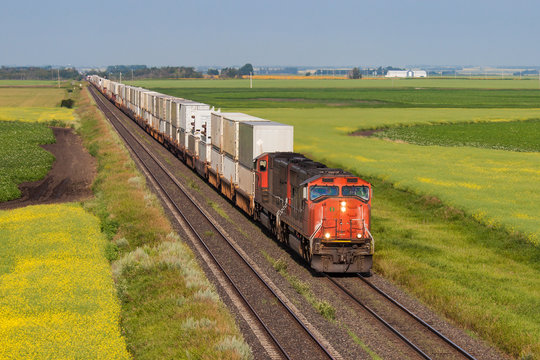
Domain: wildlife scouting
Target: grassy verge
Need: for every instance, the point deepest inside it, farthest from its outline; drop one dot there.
(169, 310)
(57, 299)
(482, 278)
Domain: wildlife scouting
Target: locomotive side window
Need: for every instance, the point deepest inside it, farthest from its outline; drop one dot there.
(262, 165)
(317, 191)
(360, 191)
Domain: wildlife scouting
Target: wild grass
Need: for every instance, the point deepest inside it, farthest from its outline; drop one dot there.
(323, 307)
(513, 136)
(21, 157)
(31, 97)
(158, 280)
(57, 299)
(482, 278)
(218, 209)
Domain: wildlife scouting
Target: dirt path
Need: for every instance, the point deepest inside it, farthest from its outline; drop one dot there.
(70, 178)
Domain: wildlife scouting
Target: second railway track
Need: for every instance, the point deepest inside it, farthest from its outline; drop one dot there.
(426, 341)
(286, 331)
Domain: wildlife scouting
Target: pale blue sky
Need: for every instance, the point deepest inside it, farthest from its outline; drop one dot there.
(277, 32)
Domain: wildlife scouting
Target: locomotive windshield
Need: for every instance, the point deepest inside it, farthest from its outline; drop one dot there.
(320, 191)
(361, 191)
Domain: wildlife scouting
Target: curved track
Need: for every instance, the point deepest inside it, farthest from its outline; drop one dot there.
(426, 341)
(291, 338)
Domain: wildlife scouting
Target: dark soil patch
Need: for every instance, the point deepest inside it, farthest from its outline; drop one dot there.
(366, 133)
(70, 178)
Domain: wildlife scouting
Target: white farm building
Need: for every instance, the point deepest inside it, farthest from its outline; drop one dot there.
(406, 73)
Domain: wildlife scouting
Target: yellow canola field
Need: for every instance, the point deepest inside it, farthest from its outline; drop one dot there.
(57, 297)
(36, 114)
(499, 188)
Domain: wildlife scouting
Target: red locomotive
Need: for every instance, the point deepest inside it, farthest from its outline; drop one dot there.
(322, 214)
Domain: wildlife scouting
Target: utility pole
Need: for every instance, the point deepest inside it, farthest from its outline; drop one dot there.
(58, 75)
(120, 78)
(131, 74)
(251, 79)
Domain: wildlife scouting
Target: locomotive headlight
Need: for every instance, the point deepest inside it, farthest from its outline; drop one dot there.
(343, 203)
(343, 209)
(327, 235)
(359, 236)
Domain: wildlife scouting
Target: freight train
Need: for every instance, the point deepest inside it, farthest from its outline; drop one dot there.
(322, 214)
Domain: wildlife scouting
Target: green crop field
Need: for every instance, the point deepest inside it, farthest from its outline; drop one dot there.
(12, 83)
(21, 157)
(514, 136)
(467, 178)
(474, 256)
(57, 297)
(401, 97)
(460, 83)
(31, 97)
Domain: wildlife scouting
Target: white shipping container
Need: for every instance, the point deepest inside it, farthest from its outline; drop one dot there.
(231, 131)
(256, 138)
(217, 160)
(230, 169)
(246, 180)
(201, 117)
(204, 151)
(184, 110)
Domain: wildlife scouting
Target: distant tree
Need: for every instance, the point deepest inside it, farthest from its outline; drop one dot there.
(229, 73)
(308, 73)
(246, 69)
(355, 73)
(212, 72)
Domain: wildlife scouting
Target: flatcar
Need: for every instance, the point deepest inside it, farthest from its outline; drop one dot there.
(322, 214)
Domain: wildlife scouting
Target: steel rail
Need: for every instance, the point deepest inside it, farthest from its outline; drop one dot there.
(426, 325)
(211, 222)
(378, 317)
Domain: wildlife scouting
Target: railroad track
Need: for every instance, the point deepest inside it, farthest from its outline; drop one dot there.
(281, 329)
(425, 340)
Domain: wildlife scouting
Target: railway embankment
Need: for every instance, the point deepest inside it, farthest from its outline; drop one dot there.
(168, 307)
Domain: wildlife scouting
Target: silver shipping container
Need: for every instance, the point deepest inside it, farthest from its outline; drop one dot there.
(256, 138)
(204, 151)
(173, 134)
(216, 131)
(193, 144)
(216, 160)
(199, 117)
(230, 139)
(182, 139)
(230, 169)
(246, 180)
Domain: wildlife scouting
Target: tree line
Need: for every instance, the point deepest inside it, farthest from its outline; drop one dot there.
(38, 73)
(143, 72)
